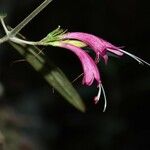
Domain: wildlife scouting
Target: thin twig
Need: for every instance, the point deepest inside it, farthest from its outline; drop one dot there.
(21, 25)
(30, 17)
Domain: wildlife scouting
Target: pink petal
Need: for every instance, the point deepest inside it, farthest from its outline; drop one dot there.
(99, 45)
(91, 71)
(117, 52)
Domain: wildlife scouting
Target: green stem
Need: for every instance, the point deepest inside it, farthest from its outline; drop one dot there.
(21, 41)
(24, 22)
(4, 26)
(30, 17)
(4, 39)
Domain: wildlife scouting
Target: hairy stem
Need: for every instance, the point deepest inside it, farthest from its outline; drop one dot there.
(21, 41)
(21, 25)
(30, 17)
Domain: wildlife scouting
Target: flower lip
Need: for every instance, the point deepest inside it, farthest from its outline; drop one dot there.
(99, 45)
(91, 71)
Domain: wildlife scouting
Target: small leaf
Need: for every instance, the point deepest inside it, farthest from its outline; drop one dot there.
(52, 74)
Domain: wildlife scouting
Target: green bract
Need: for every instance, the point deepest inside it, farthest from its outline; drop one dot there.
(54, 35)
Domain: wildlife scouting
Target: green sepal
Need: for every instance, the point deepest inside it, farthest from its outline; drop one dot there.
(75, 43)
(54, 35)
(71, 42)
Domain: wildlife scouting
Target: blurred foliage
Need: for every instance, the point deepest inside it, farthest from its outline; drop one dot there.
(52, 74)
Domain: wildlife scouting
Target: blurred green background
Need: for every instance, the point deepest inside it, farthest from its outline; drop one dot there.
(33, 117)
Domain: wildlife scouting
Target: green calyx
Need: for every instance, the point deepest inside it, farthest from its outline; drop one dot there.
(54, 35)
(71, 42)
(75, 43)
(54, 39)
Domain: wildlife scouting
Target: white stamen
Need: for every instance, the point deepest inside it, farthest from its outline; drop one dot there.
(105, 99)
(141, 61)
(96, 99)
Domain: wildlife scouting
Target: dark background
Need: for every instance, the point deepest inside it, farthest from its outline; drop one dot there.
(32, 117)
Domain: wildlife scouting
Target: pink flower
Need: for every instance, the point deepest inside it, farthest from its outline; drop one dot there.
(90, 70)
(97, 44)
(74, 41)
(100, 46)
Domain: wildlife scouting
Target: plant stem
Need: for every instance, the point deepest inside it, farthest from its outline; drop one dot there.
(21, 25)
(30, 17)
(4, 26)
(4, 39)
(21, 41)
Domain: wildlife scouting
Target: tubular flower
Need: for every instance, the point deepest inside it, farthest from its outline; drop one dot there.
(75, 41)
(100, 46)
(90, 70)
